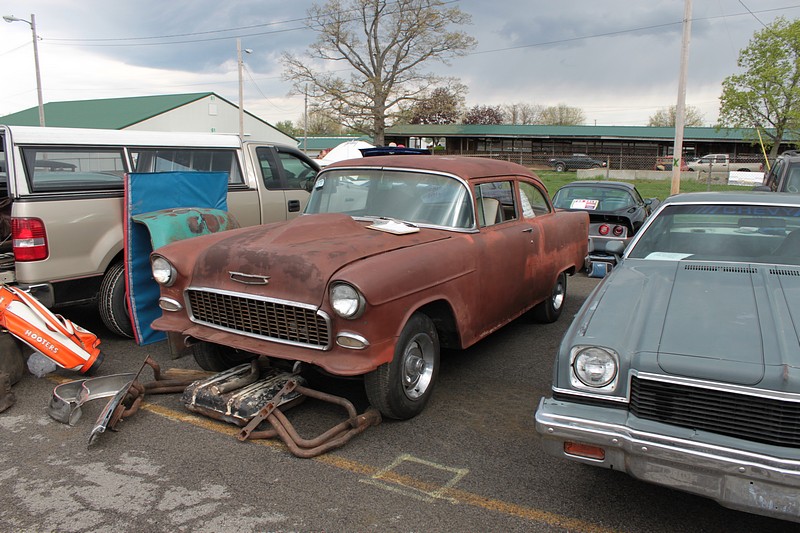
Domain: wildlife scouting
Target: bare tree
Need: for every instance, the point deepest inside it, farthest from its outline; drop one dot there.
(320, 122)
(665, 117)
(522, 113)
(385, 44)
(562, 115)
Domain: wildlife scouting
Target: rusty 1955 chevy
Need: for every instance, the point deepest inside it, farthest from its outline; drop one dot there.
(395, 257)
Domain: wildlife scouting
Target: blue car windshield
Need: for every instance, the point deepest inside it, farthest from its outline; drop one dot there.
(742, 233)
(416, 197)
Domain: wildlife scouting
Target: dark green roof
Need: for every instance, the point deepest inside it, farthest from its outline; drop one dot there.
(321, 143)
(110, 113)
(562, 132)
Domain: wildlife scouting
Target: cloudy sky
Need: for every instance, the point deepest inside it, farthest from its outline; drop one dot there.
(618, 60)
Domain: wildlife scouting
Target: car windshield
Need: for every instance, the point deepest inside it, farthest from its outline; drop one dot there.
(593, 198)
(741, 233)
(416, 197)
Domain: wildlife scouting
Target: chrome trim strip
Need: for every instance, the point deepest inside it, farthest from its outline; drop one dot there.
(588, 395)
(716, 386)
(248, 279)
(310, 307)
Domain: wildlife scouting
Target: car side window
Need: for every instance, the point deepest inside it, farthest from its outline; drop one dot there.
(270, 174)
(772, 178)
(296, 171)
(188, 160)
(534, 202)
(495, 201)
(74, 169)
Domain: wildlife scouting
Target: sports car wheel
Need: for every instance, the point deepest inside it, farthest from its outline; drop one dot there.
(400, 389)
(561, 167)
(549, 310)
(216, 358)
(112, 304)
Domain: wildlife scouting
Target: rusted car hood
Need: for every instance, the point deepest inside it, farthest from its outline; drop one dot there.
(297, 257)
(724, 322)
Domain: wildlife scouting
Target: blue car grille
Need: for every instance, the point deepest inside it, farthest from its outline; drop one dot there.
(272, 320)
(753, 418)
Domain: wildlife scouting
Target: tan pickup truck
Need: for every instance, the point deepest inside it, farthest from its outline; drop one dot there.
(61, 202)
(724, 163)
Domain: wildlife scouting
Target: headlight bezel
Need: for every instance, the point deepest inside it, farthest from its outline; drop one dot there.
(169, 268)
(346, 300)
(595, 355)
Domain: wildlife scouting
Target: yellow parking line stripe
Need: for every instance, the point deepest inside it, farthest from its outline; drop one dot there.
(468, 498)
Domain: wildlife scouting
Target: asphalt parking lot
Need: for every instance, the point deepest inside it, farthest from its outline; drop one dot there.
(470, 462)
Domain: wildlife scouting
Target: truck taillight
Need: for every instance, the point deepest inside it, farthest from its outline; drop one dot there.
(29, 239)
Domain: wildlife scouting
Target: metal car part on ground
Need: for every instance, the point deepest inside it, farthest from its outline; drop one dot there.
(616, 212)
(697, 386)
(394, 257)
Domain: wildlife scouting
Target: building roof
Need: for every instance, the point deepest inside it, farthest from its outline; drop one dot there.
(318, 142)
(108, 113)
(564, 132)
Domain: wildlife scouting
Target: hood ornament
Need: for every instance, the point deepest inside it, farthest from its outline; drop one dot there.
(248, 279)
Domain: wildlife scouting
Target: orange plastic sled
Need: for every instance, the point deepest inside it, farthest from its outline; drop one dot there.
(57, 338)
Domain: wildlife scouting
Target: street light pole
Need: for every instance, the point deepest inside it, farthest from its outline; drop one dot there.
(32, 23)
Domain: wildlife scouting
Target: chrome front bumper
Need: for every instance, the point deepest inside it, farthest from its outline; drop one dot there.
(756, 483)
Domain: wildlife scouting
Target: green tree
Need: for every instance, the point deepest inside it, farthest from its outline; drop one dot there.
(442, 106)
(562, 115)
(483, 114)
(766, 95)
(665, 117)
(288, 128)
(385, 44)
(319, 121)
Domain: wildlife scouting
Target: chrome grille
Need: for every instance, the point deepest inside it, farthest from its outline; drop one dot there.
(275, 320)
(753, 418)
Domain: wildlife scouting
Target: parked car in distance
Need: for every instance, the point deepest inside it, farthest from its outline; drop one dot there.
(616, 212)
(681, 368)
(665, 163)
(784, 175)
(725, 163)
(394, 257)
(574, 161)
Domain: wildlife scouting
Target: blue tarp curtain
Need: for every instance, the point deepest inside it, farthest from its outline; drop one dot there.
(144, 193)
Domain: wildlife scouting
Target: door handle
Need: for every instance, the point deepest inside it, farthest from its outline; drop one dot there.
(294, 206)
(527, 230)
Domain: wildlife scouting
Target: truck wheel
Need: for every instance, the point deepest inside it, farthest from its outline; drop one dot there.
(744, 170)
(549, 310)
(216, 358)
(561, 167)
(112, 303)
(400, 389)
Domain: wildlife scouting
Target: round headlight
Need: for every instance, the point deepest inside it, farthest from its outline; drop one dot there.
(346, 301)
(595, 367)
(163, 271)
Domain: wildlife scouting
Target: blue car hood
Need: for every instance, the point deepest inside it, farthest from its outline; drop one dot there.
(727, 322)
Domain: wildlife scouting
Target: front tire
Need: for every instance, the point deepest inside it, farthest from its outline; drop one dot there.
(113, 304)
(401, 388)
(216, 358)
(549, 310)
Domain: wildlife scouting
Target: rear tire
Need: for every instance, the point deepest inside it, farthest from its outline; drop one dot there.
(549, 310)
(561, 167)
(216, 358)
(113, 304)
(401, 388)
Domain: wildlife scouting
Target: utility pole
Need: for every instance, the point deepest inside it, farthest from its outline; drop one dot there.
(680, 108)
(241, 96)
(32, 24)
